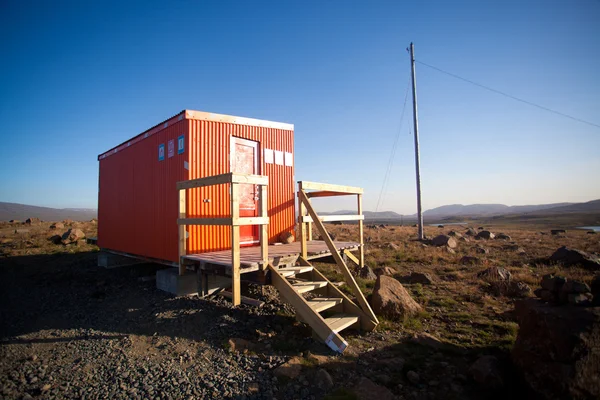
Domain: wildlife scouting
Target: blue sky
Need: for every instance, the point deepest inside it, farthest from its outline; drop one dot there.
(77, 78)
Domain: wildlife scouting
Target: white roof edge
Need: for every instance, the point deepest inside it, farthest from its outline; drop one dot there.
(207, 116)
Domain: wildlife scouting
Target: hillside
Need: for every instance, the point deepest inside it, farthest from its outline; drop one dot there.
(489, 209)
(21, 212)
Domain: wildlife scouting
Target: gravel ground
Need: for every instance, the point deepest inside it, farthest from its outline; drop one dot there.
(72, 330)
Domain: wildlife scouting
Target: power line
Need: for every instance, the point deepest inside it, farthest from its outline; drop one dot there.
(510, 96)
(392, 155)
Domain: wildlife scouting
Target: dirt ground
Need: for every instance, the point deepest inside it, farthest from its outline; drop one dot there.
(70, 329)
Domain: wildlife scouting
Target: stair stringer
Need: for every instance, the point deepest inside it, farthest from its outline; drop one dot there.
(312, 318)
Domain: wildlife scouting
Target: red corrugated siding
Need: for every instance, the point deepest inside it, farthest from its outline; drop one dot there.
(210, 144)
(138, 202)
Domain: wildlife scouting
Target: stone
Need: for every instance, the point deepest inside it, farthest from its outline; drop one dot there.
(464, 239)
(290, 370)
(366, 389)
(391, 299)
(317, 359)
(32, 221)
(323, 380)
(367, 273)
(486, 372)
(469, 260)
(57, 225)
(576, 287)
(72, 236)
(487, 235)
(552, 283)
(471, 232)
(556, 349)
(519, 289)
(495, 274)
(46, 387)
(238, 344)
(591, 232)
(286, 237)
(449, 250)
(557, 231)
(388, 271)
(440, 226)
(455, 234)
(444, 240)
(412, 377)
(580, 299)
(418, 277)
(481, 250)
(392, 246)
(503, 236)
(56, 239)
(568, 257)
(546, 295)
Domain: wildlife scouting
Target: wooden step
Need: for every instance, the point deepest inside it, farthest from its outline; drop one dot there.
(303, 287)
(319, 304)
(291, 271)
(339, 322)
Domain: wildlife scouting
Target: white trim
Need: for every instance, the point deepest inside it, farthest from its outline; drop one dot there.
(206, 116)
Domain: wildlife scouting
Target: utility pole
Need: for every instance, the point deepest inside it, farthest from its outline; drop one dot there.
(416, 129)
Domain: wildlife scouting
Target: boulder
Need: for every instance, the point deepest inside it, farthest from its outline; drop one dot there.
(238, 344)
(56, 239)
(440, 226)
(518, 289)
(388, 271)
(444, 240)
(418, 277)
(449, 250)
(286, 237)
(391, 299)
(366, 389)
(471, 232)
(557, 231)
(552, 283)
(495, 274)
(486, 372)
(290, 370)
(455, 234)
(557, 349)
(591, 232)
(503, 236)
(32, 221)
(367, 273)
(481, 250)
(72, 236)
(487, 235)
(57, 225)
(323, 380)
(392, 246)
(568, 257)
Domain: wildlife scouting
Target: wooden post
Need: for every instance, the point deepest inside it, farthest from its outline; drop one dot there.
(181, 230)
(235, 246)
(302, 213)
(309, 229)
(264, 229)
(361, 249)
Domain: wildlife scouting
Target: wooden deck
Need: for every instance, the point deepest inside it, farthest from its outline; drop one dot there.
(250, 258)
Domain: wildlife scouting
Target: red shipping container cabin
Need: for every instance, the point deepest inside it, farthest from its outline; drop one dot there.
(138, 198)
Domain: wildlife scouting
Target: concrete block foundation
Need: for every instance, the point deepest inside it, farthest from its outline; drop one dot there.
(170, 281)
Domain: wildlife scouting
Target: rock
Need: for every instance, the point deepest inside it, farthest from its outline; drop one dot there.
(367, 273)
(444, 240)
(546, 295)
(495, 274)
(286, 237)
(591, 232)
(580, 299)
(14, 221)
(557, 231)
(46, 387)
(485, 235)
(440, 226)
(486, 372)
(366, 389)
(323, 380)
(503, 236)
(388, 271)
(72, 236)
(464, 239)
(412, 377)
(471, 232)
(238, 344)
(575, 287)
(418, 277)
(449, 250)
(290, 369)
(317, 359)
(469, 260)
(556, 349)
(519, 289)
(32, 221)
(455, 234)
(481, 250)
(391, 299)
(57, 225)
(428, 340)
(56, 239)
(392, 246)
(568, 257)
(552, 283)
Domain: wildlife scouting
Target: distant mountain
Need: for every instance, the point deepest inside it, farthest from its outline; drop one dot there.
(488, 209)
(21, 212)
(368, 214)
(590, 206)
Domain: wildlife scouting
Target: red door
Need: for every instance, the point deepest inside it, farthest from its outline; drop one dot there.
(244, 160)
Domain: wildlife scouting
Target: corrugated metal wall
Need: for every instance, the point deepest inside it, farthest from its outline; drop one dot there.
(210, 150)
(138, 202)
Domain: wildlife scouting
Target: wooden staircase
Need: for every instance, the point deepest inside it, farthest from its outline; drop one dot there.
(320, 304)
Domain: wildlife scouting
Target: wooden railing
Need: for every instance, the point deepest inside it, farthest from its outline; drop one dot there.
(308, 215)
(235, 221)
